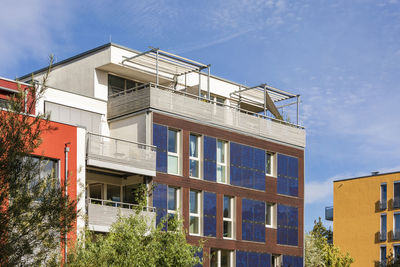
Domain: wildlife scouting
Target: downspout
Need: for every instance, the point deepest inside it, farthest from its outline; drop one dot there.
(66, 150)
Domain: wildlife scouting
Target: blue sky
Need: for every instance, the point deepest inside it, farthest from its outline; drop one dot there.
(343, 57)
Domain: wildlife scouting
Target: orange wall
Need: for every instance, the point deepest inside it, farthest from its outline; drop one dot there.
(52, 146)
(356, 222)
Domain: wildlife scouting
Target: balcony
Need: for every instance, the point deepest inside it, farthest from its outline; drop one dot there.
(396, 202)
(383, 204)
(396, 234)
(199, 108)
(103, 213)
(329, 213)
(120, 155)
(382, 235)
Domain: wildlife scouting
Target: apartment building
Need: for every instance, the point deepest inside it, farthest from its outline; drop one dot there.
(219, 151)
(52, 151)
(366, 217)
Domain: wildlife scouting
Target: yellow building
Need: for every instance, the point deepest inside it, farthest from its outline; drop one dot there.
(366, 217)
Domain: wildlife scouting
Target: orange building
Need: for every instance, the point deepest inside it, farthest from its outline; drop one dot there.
(366, 217)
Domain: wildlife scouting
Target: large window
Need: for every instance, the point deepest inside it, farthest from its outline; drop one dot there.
(269, 164)
(383, 196)
(114, 193)
(173, 151)
(228, 217)
(383, 227)
(270, 215)
(396, 195)
(118, 84)
(194, 210)
(396, 226)
(276, 260)
(221, 258)
(173, 200)
(221, 161)
(383, 255)
(194, 156)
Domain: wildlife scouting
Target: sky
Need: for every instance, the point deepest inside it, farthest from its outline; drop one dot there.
(341, 56)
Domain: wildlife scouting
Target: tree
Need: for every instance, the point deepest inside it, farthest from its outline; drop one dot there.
(132, 242)
(320, 253)
(320, 230)
(35, 213)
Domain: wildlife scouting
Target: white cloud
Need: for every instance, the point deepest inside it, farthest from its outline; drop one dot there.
(29, 29)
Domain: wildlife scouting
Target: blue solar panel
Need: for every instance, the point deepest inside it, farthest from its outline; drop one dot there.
(259, 232)
(253, 259)
(259, 180)
(210, 212)
(247, 231)
(241, 259)
(160, 141)
(298, 262)
(293, 187)
(235, 176)
(247, 178)
(251, 158)
(259, 159)
(210, 157)
(292, 237)
(210, 226)
(259, 211)
(265, 260)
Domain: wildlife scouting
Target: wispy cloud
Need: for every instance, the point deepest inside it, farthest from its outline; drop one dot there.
(30, 29)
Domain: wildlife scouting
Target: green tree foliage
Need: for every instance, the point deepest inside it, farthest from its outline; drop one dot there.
(132, 242)
(35, 214)
(320, 230)
(320, 253)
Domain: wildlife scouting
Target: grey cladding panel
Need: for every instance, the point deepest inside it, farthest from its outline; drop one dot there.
(64, 114)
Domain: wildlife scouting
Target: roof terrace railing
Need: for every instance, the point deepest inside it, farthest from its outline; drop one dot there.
(118, 204)
(201, 98)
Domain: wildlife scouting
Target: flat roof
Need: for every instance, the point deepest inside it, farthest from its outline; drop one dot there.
(367, 176)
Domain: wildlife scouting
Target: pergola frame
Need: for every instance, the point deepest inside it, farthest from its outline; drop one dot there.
(270, 96)
(183, 66)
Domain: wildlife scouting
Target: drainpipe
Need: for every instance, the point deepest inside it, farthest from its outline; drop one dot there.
(66, 150)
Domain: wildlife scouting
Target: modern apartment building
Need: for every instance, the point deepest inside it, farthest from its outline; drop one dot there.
(55, 143)
(366, 217)
(219, 151)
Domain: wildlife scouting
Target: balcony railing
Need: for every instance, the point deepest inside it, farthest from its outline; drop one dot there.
(396, 202)
(121, 155)
(329, 213)
(102, 213)
(208, 111)
(396, 234)
(383, 204)
(382, 235)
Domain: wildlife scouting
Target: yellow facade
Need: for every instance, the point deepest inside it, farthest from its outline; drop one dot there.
(356, 217)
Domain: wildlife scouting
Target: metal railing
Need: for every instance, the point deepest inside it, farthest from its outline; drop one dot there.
(118, 204)
(383, 205)
(204, 99)
(396, 202)
(396, 234)
(114, 150)
(382, 235)
(329, 213)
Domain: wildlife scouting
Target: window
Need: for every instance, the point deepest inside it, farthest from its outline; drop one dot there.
(114, 192)
(96, 191)
(383, 196)
(383, 227)
(221, 161)
(396, 195)
(383, 255)
(276, 260)
(118, 84)
(221, 258)
(173, 151)
(269, 164)
(194, 156)
(228, 217)
(270, 215)
(396, 251)
(396, 226)
(172, 203)
(194, 210)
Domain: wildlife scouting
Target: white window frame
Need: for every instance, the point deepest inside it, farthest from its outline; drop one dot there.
(273, 215)
(198, 158)
(278, 260)
(231, 257)
(223, 164)
(380, 253)
(231, 219)
(198, 213)
(273, 155)
(178, 201)
(178, 149)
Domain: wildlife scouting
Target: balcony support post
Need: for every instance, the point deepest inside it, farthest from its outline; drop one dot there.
(298, 108)
(157, 69)
(199, 91)
(208, 83)
(265, 100)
